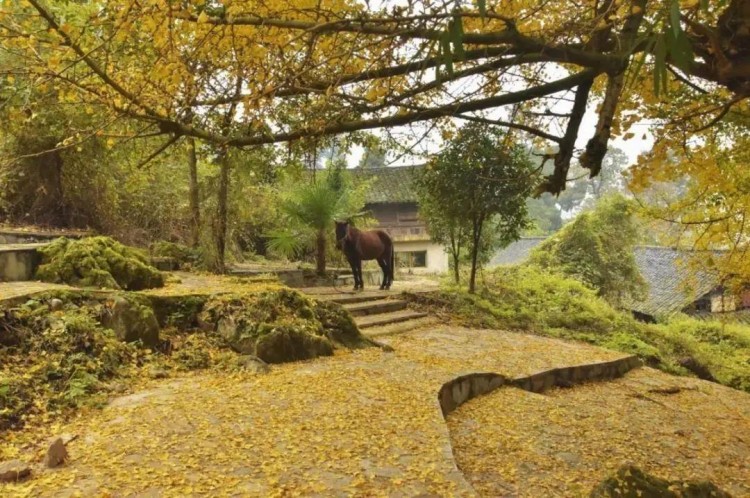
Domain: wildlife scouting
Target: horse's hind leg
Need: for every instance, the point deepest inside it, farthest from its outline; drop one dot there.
(383, 266)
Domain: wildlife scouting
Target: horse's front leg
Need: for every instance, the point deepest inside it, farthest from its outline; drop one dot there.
(358, 282)
(353, 265)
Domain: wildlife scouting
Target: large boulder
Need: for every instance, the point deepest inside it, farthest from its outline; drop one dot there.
(281, 326)
(290, 344)
(632, 482)
(132, 321)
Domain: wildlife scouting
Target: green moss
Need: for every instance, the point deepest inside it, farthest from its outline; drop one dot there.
(97, 262)
(61, 363)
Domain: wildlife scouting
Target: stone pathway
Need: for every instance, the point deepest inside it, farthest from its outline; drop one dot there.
(363, 423)
(17, 290)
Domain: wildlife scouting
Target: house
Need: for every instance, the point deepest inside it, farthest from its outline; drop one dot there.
(673, 286)
(392, 201)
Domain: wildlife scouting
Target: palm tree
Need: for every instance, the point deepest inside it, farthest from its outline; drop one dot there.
(310, 210)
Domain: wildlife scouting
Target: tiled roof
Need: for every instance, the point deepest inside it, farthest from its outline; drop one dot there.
(517, 252)
(390, 184)
(672, 283)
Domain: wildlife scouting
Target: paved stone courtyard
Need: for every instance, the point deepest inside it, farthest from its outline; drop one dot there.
(363, 423)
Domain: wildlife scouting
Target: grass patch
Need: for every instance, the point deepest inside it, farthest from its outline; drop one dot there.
(530, 299)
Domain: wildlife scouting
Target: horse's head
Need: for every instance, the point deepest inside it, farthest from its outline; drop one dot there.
(342, 231)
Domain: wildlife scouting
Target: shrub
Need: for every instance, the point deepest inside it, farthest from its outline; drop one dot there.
(597, 249)
(179, 252)
(97, 262)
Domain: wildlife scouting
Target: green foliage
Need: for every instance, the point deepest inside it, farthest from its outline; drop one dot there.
(97, 262)
(597, 249)
(179, 252)
(531, 299)
(311, 206)
(474, 193)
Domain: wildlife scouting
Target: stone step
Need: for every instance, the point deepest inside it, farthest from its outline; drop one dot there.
(364, 322)
(342, 297)
(363, 308)
(402, 327)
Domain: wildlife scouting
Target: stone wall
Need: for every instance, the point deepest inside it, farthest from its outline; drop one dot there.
(18, 263)
(461, 389)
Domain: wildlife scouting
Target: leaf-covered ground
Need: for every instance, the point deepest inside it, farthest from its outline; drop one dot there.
(562, 443)
(364, 423)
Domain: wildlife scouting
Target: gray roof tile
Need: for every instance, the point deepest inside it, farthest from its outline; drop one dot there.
(392, 184)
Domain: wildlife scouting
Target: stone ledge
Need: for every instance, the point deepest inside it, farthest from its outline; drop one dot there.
(458, 391)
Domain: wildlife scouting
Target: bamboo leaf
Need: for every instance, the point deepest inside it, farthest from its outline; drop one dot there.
(482, 6)
(660, 63)
(456, 30)
(445, 45)
(674, 17)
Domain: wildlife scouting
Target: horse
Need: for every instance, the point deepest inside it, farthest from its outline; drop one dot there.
(359, 246)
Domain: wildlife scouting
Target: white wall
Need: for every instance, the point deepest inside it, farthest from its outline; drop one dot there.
(437, 259)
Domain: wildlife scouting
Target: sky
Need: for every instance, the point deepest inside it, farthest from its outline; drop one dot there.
(632, 148)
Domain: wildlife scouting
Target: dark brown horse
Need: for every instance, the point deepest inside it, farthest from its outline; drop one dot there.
(361, 246)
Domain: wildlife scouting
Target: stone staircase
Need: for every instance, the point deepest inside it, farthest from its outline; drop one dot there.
(379, 313)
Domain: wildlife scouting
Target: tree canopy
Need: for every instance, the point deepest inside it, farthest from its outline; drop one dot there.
(473, 194)
(296, 71)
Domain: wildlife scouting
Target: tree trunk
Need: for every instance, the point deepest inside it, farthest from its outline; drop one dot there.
(195, 209)
(456, 255)
(476, 240)
(221, 215)
(320, 253)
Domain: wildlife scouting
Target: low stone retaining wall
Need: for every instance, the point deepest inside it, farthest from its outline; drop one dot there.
(10, 236)
(18, 262)
(461, 389)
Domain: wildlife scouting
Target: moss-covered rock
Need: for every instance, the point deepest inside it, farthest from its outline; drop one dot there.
(178, 311)
(286, 343)
(131, 321)
(632, 482)
(281, 326)
(97, 262)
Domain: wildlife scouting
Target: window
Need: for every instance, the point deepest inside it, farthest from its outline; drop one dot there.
(411, 259)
